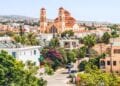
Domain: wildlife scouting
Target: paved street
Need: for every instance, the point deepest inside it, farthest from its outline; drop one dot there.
(58, 79)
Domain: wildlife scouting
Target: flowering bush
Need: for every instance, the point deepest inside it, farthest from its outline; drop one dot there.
(53, 58)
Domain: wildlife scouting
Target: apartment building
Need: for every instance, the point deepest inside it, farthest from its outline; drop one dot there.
(111, 63)
(20, 52)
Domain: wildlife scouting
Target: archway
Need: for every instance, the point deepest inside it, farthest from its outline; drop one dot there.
(53, 29)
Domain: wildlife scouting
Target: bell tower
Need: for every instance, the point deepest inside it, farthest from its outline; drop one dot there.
(43, 23)
(61, 19)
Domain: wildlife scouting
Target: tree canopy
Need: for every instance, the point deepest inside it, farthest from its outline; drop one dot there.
(26, 39)
(106, 38)
(67, 33)
(14, 73)
(54, 42)
(95, 77)
(89, 40)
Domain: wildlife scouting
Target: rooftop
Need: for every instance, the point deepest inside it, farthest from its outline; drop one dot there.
(8, 43)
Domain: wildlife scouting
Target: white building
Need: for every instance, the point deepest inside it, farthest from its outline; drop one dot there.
(99, 32)
(69, 43)
(20, 52)
(44, 39)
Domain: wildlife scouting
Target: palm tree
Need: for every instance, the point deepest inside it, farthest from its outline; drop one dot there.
(17, 38)
(32, 39)
(54, 42)
(89, 41)
(24, 40)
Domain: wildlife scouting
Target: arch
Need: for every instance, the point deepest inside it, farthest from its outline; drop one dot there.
(53, 29)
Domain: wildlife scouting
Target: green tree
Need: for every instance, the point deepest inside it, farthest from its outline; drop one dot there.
(92, 61)
(82, 65)
(63, 52)
(9, 33)
(89, 41)
(14, 73)
(68, 33)
(114, 27)
(82, 52)
(71, 56)
(54, 42)
(48, 70)
(26, 39)
(91, 28)
(31, 37)
(95, 77)
(114, 34)
(106, 38)
(17, 38)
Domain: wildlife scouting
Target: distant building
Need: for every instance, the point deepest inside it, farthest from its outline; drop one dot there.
(20, 52)
(63, 22)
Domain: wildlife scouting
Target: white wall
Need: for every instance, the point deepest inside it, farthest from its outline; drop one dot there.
(47, 37)
(25, 54)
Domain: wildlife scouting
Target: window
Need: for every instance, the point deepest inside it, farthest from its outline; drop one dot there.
(108, 62)
(14, 54)
(102, 64)
(74, 44)
(34, 52)
(114, 63)
(117, 51)
(67, 45)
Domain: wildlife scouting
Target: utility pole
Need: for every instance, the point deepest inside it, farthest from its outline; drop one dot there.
(111, 63)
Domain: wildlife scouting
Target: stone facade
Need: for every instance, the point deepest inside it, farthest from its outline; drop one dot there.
(63, 22)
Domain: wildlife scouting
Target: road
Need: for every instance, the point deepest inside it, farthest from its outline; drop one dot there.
(58, 79)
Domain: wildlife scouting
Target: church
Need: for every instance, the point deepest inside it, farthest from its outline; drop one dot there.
(63, 22)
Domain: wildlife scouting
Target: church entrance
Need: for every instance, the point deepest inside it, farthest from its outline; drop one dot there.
(53, 29)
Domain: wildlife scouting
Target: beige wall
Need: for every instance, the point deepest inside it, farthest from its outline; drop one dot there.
(115, 56)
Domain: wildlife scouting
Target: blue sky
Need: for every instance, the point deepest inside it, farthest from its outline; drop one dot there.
(88, 10)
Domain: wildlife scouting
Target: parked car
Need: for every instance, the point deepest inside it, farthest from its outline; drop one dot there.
(74, 71)
(69, 65)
